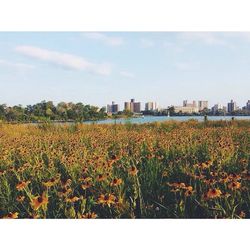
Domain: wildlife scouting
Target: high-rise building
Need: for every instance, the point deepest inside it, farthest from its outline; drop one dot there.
(127, 106)
(248, 105)
(113, 108)
(132, 106)
(150, 106)
(231, 106)
(137, 107)
(218, 108)
(190, 105)
(202, 105)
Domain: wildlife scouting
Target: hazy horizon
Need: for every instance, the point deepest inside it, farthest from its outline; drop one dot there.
(97, 68)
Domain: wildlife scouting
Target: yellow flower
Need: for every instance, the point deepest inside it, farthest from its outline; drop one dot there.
(213, 193)
(86, 185)
(73, 199)
(39, 201)
(101, 177)
(234, 185)
(11, 216)
(50, 182)
(116, 182)
(89, 216)
(133, 171)
(107, 199)
(22, 185)
(20, 198)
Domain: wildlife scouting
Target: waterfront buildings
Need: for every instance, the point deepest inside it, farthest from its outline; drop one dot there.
(248, 105)
(151, 106)
(231, 106)
(113, 108)
(132, 106)
(186, 108)
(202, 105)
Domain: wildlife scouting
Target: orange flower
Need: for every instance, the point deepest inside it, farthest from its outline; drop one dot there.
(2, 172)
(101, 177)
(188, 193)
(22, 185)
(85, 178)
(33, 216)
(50, 182)
(64, 192)
(133, 171)
(116, 182)
(89, 216)
(213, 193)
(86, 185)
(66, 183)
(73, 199)
(11, 216)
(107, 199)
(39, 201)
(234, 185)
(20, 198)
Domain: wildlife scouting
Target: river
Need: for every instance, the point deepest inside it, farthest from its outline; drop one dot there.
(147, 119)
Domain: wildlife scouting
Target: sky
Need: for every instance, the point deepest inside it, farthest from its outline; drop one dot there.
(100, 67)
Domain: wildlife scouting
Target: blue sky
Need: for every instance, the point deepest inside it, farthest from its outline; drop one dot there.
(97, 68)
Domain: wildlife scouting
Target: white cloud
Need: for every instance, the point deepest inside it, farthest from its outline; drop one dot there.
(65, 60)
(127, 74)
(187, 66)
(146, 43)
(16, 65)
(109, 40)
(209, 38)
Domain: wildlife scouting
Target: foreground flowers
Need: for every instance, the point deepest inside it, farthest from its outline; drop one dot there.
(161, 170)
(39, 201)
(107, 199)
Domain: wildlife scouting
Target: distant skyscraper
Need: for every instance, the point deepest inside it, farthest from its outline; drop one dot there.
(150, 106)
(216, 108)
(231, 106)
(248, 105)
(127, 106)
(113, 108)
(190, 105)
(132, 106)
(202, 105)
(137, 107)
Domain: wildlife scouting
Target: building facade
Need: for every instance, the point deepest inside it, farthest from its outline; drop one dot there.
(231, 106)
(202, 105)
(113, 108)
(185, 109)
(150, 106)
(248, 105)
(132, 106)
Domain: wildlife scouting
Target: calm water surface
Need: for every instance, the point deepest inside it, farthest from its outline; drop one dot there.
(147, 119)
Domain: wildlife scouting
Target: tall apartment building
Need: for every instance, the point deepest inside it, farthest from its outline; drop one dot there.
(218, 108)
(113, 108)
(150, 106)
(202, 105)
(231, 106)
(132, 106)
(248, 105)
(190, 105)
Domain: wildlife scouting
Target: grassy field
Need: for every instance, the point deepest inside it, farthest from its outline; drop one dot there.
(159, 170)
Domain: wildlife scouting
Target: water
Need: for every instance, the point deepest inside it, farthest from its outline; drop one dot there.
(147, 119)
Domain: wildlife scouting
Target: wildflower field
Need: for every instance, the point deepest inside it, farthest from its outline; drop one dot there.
(158, 170)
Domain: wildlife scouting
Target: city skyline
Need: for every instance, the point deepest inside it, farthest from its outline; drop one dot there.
(95, 68)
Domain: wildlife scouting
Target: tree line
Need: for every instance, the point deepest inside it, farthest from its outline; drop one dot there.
(47, 111)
